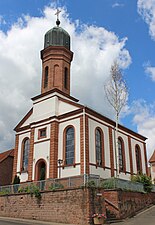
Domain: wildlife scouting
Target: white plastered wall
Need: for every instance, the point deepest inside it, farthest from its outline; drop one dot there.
(51, 106)
(70, 170)
(45, 109)
(65, 107)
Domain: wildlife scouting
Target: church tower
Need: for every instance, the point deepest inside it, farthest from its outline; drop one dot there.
(56, 60)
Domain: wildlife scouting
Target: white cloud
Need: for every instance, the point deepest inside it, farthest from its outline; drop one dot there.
(151, 72)
(146, 8)
(117, 5)
(144, 119)
(94, 49)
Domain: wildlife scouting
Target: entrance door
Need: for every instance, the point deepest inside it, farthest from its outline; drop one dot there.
(41, 170)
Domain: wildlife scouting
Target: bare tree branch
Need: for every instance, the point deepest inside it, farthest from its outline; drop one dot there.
(116, 93)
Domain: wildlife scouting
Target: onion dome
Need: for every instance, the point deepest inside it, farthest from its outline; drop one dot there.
(57, 36)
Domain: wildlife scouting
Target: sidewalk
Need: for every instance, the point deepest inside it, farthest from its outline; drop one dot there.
(23, 221)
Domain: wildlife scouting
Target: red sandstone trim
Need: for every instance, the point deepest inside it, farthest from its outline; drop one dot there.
(87, 144)
(130, 155)
(53, 173)
(81, 145)
(30, 163)
(24, 119)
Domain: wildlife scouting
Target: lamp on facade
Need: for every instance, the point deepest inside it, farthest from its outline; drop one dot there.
(60, 161)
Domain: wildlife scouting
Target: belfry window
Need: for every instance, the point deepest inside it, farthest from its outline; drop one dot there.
(66, 78)
(46, 77)
(69, 146)
(98, 137)
(25, 148)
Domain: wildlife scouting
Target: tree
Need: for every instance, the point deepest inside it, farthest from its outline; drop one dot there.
(116, 93)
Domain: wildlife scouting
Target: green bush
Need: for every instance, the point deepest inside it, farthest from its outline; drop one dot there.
(108, 184)
(31, 189)
(91, 184)
(145, 180)
(5, 192)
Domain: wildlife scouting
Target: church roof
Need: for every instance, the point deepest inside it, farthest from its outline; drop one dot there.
(6, 154)
(152, 159)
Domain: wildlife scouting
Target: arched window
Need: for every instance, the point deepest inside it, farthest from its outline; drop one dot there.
(138, 159)
(99, 147)
(25, 155)
(120, 153)
(66, 78)
(69, 146)
(46, 77)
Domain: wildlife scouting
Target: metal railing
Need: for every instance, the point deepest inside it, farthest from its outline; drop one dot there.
(73, 182)
(116, 183)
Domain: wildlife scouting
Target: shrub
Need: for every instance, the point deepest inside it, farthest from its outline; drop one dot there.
(31, 189)
(108, 184)
(145, 180)
(91, 184)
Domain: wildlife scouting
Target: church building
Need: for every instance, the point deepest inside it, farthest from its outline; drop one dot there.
(60, 137)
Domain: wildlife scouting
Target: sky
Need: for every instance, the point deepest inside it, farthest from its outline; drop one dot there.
(101, 31)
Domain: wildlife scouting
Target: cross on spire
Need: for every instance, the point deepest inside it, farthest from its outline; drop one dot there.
(57, 14)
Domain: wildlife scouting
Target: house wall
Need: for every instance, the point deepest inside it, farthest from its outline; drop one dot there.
(152, 170)
(6, 170)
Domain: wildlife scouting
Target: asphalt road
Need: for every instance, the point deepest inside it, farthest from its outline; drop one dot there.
(12, 221)
(146, 217)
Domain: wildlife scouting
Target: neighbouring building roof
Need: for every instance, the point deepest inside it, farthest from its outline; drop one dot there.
(6, 154)
(152, 159)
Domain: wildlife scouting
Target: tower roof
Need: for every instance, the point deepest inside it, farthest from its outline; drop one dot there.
(57, 36)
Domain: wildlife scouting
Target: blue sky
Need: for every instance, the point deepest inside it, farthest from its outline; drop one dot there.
(128, 31)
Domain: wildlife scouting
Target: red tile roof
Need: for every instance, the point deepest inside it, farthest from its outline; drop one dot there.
(6, 154)
(152, 159)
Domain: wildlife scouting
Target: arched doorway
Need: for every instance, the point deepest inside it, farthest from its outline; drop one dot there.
(40, 170)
